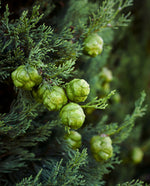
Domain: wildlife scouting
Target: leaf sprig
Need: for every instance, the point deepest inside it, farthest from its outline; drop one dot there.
(99, 103)
(108, 15)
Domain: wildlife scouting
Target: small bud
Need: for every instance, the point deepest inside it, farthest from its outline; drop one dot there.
(109, 25)
(72, 115)
(106, 75)
(26, 77)
(116, 98)
(106, 88)
(93, 45)
(120, 8)
(77, 90)
(137, 155)
(101, 147)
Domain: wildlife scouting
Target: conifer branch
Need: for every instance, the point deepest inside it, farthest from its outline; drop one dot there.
(107, 15)
(55, 73)
(69, 174)
(100, 103)
(53, 50)
(30, 181)
(133, 183)
(98, 170)
(123, 131)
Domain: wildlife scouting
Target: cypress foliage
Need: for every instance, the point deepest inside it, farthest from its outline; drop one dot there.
(47, 39)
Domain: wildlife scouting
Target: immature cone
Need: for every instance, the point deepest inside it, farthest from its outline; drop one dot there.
(93, 45)
(77, 90)
(106, 75)
(101, 147)
(106, 88)
(73, 139)
(137, 155)
(26, 77)
(72, 115)
(54, 99)
(38, 93)
(116, 98)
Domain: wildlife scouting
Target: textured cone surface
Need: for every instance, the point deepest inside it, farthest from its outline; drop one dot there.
(101, 147)
(93, 45)
(72, 115)
(26, 77)
(73, 139)
(77, 90)
(54, 99)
